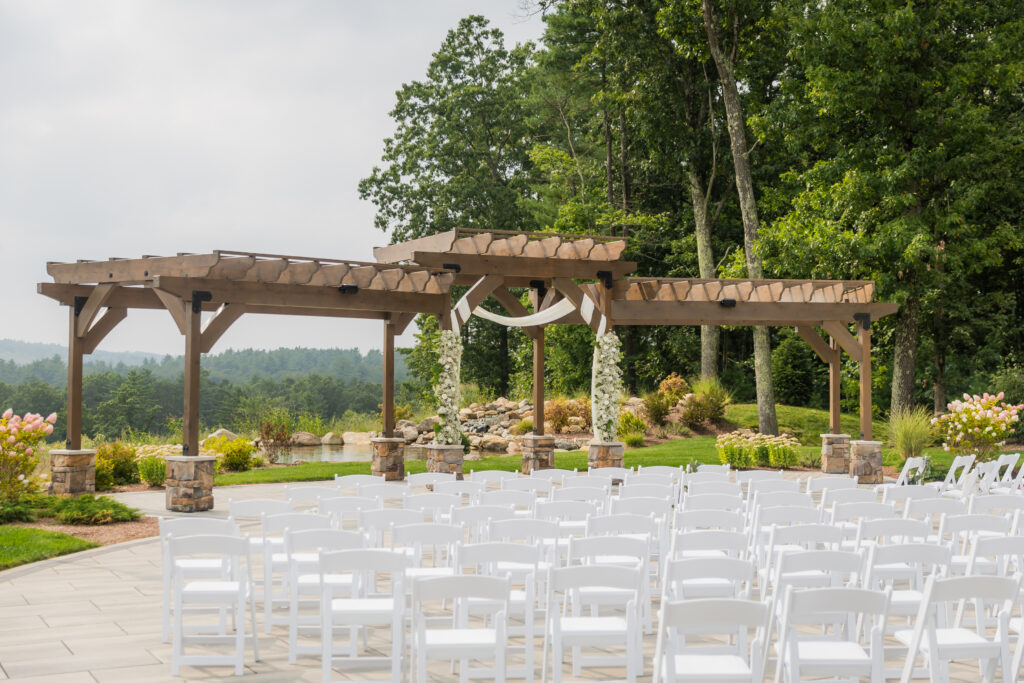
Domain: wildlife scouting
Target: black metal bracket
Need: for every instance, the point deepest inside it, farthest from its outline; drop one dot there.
(727, 303)
(606, 278)
(198, 298)
(864, 319)
(80, 304)
(348, 289)
(541, 288)
(452, 266)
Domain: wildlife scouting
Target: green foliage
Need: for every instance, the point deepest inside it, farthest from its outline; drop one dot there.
(810, 460)
(274, 436)
(630, 423)
(657, 405)
(522, 427)
(90, 510)
(707, 404)
(743, 448)
(116, 461)
(313, 424)
(799, 376)
(911, 431)
(153, 470)
(634, 439)
(558, 411)
(16, 511)
(673, 388)
(237, 453)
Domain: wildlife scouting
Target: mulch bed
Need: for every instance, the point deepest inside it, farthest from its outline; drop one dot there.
(104, 534)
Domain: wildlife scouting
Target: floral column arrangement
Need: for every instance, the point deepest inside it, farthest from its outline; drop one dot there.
(605, 389)
(445, 454)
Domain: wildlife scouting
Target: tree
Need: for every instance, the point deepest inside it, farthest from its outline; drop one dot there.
(132, 406)
(458, 157)
(914, 156)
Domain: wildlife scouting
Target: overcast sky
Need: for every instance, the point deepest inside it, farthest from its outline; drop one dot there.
(132, 127)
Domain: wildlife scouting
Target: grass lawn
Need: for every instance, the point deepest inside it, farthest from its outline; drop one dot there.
(21, 545)
(805, 423)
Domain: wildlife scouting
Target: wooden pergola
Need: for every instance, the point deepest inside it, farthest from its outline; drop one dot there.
(491, 262)
(573, 279)
(231, 284)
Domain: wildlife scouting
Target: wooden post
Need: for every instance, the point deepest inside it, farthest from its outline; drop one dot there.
(834, 388)
(74, 412)
(538, 382)
(387, 412)
(864, 336)
(193, 342)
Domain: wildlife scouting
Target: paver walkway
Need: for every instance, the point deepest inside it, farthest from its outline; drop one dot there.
(94, 617)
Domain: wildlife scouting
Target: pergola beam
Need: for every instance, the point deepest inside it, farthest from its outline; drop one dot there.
(216, 326)
(101, 328)
(529, 267)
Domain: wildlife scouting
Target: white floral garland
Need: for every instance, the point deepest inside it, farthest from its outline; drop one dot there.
(447, 391)
(606, 387)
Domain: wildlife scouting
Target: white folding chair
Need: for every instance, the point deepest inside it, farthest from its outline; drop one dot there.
(931, 510)
(540, 533)
(436, 507)
(959, 468)
(707, 577)
(468, 490)
(912, 467)
(634, 490)
(395, 492)
(839, 654)
(1006, 463)
(303, 550)
(307, 496)
(830, 497)
(959, 531)
(791, 539)
(552, 474)
(709, 543)
(566, 626)
(571, 515)
(343, 482)
(491, 476)
(364, 608)
(713, 501)
(619, 474)
(461, 642)
(476, 519)
(820, 484)
(440, 539)
(375, 523)
(428, 478)
(996, 504)
(521, 502)
(538, 486)
(275, 560)
(190, 568)
(744, 621)
(692, 520)
(940, 642)
(342, 509)
(658, 508)
(718, 469)
(622, 551)
(899, 495)
(231, 591)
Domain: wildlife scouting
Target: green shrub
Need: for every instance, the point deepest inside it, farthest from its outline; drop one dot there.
(673, 388)
(104, 475)
(237, 453)
(744, 448)
(797, 373)
(118, 459)
(274, 436)
(257, 461)
(658, 406)
(313, 424)
(783, 454)
(522, 427)
(153, 470)
(630, 423)
(89, 509)
(634, 439)
(16, 511)
(911, 431)
(558, 411)
(707, 404)
(811, 460)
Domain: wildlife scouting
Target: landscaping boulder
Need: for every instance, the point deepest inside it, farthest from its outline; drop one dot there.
(514, 448)
(231, 436)
(564, 445)
(409, 433)
(427, 425)
(332, 439)
(305, 439)
(402, 424)
(493, 443)
(356, 438)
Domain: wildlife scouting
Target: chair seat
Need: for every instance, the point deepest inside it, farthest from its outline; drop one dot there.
(460, 637)
(953, 642)
(428, 572)
(363, 607)
(210, 590)
(199, 563)
(905, 598)
(597, 626)
(332, 579)
(709, 587)
(711, 667)
(825, 653)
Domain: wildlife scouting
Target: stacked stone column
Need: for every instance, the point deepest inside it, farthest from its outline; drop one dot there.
(388, 458)
(72, 472)
(189, 483)
(835, 453)
(538, 452)
(445, 459)
(605, 454)
(866, 461)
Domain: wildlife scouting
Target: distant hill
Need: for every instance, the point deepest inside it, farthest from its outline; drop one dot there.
(25, 361)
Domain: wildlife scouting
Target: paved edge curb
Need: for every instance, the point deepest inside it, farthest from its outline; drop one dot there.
(22, 570)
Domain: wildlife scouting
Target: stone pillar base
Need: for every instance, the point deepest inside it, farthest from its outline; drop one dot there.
(189, 482)
(72, 472)
(538, 452)
(388, 458)
(835, 453)
(446, 459)
(866, 461)
(605, 454)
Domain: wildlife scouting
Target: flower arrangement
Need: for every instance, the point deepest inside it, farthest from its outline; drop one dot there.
(447, 389)
(605, 387)
(977, 424)
(743, 449)
(20, 439)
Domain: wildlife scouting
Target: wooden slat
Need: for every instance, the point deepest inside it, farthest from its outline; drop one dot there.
(698, 292)
(567, 250)
(403, 251)
(265, 270)
(231, 267)
(509, 246)
(132, 270)
(329, 276)
(465, 245)
(360, 276)
(743, 313)
(481, 241)
(526, 266)
(298, 273)
(390, 278)
(680, 289)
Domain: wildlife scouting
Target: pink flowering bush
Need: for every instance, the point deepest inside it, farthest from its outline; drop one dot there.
(20, 440)
(978, 425)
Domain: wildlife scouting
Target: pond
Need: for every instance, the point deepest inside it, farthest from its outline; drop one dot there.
(348, 453)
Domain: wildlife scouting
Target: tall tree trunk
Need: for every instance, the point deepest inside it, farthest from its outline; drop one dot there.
(608, 173)
(905, 353)
(766, 418)
(624, 160)
(709, 334)
(939, 385)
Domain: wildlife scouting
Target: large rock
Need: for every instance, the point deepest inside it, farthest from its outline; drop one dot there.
(493, 443)
(231, 436)
(427, 425)
(565, 445)
(409, 433)
(402, 424)
(305, 439)
(514, 448)
(332, 439)
(356, 438)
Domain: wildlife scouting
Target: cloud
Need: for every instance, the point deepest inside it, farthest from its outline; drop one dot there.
(134, 127)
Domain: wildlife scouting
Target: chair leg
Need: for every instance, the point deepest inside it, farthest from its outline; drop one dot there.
(165, 609)
(326, 646)
(293, 628)
(397, 649)
(252, 626)
(557, 657)
(238, 616)
(268, 597)
(178, 647)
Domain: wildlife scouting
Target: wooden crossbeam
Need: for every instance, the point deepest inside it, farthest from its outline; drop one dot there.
(787, 314)
(843, 337)
(526, 266)
(97, 299)
(216, 326)
(514, 307)
(102, 328)
(815, 341)
(175, 305)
